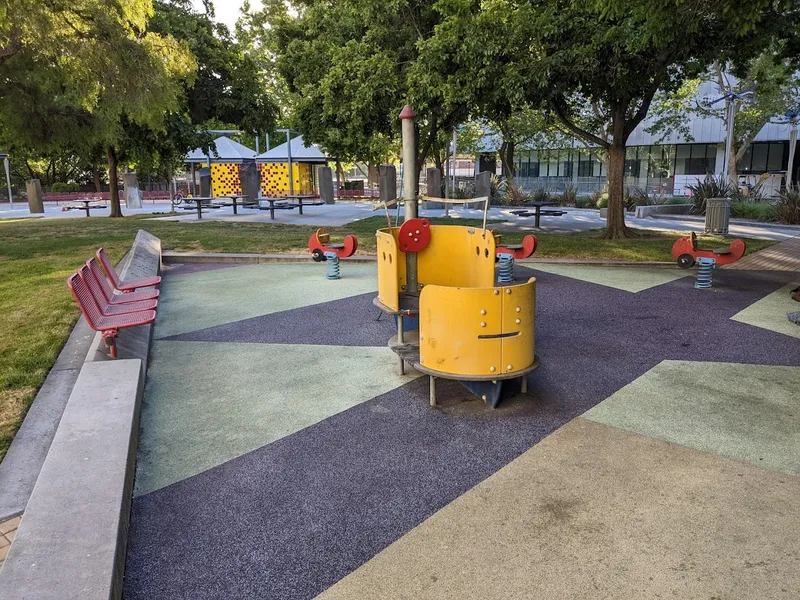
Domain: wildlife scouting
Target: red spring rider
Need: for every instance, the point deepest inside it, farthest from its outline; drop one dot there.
(319, 244)
(686, 252)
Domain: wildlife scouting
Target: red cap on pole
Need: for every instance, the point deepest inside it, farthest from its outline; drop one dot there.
(407, 112)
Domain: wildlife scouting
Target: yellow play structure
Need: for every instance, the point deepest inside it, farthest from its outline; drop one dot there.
(470, 329)
(453, 320)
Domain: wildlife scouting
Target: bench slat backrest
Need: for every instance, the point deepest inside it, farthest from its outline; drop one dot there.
(80, 291)
(100, 278)
(94, 287)
(109, 267)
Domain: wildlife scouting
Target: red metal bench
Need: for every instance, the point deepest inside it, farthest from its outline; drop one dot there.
(108, 291)
(107, 326)
(107, 308)
(124, 286)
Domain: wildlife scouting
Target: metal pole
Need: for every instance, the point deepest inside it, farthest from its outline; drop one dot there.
(729, 139)
(792, 145)
(289, 156)
(409, 189)
(8, 181)
(455, 159)
(257, 150)
(409, 161)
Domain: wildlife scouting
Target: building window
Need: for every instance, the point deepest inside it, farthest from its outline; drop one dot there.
(695, 159)
(632, 167)
(775, 159)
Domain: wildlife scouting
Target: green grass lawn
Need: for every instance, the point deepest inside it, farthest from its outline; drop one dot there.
(36, 257)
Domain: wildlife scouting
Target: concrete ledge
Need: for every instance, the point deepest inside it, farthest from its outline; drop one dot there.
(663, 209)
(223, 257)
(72, 540)
(21, 465)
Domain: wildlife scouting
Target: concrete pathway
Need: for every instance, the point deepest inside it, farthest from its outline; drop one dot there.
(283, 455)
(781, 257)
(341, 213)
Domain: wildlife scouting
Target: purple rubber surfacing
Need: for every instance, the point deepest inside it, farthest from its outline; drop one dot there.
(291, 518)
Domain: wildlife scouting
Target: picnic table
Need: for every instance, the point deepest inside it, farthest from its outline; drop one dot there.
(234, 204)
(538, 212)
(282, 204)
(199, 201)
(87, 204)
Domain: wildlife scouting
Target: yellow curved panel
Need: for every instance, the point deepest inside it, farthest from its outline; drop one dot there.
(451, 320)
(519, 317)
(457, 256)
(391, 269)
(477, 331)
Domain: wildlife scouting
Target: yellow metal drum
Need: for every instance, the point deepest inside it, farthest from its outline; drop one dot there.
(477, 332)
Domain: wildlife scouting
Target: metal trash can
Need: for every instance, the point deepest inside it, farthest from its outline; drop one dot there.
(718, 213)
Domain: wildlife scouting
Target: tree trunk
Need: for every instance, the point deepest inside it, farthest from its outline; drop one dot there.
(615, 222)
(98, 187)
(507, 159)
(733, 170)
(372, 174)
(113, 183)
(439, 163)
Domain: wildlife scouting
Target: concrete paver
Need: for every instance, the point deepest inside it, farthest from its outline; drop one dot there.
(781, 257)
(598, 512)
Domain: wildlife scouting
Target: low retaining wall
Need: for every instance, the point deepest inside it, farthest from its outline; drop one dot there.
(663, 209)
(72, 541)
(21, 465)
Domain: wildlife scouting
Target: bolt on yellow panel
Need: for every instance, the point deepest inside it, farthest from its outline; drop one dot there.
(459, 330)
(518, 316)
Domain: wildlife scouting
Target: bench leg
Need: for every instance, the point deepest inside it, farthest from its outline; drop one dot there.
(433, 390)
(234, 206)
(110, 339)
(538, 215)
(301, 207)
(271, 212)
(524, 386)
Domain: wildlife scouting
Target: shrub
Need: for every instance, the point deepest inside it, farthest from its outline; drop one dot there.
(787, 208)
(570, 195)
(711, 187)
(602, 201)
(752, 209)
(497, 189)
(515, 195)
(60, 187)
(463, 193)
(596, 197)
(582, 202)
(540, 195)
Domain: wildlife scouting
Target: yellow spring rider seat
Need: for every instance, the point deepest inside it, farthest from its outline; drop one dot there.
(470, 329)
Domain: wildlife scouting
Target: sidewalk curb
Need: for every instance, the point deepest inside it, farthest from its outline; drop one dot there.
(221, 257)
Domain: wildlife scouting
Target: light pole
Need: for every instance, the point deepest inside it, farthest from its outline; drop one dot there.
(8, 180)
